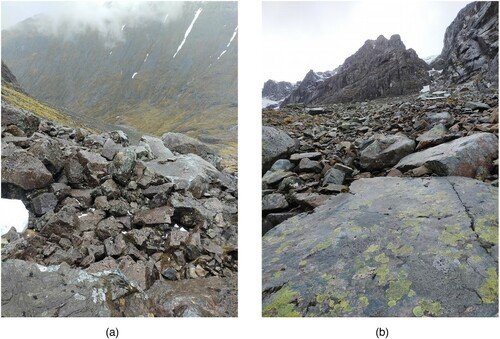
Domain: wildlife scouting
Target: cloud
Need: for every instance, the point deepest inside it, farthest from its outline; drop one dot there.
(107, 18)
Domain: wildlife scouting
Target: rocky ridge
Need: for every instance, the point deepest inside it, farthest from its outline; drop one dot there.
(381, 67)
(274, 92)
(161, 221)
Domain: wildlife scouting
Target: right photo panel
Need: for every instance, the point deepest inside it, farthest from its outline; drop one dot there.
(380, 159)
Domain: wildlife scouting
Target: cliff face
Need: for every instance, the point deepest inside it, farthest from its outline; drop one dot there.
(379, 68)
(470, 49)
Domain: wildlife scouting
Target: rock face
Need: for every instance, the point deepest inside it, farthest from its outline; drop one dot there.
(392, 247)
(471, 45)
(274, 92)
(379, 68)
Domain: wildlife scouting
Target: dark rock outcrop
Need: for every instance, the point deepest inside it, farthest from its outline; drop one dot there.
(277, 90)
(470, 50)
(379, 68)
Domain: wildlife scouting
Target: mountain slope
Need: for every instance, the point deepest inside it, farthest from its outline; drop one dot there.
(159, 77)
(379, 68)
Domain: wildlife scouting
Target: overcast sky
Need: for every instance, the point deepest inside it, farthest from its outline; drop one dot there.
(16, 11)
(299, 36)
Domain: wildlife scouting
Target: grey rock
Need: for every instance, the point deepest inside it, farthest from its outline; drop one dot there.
(151, 217)
(273, 202)
(108, 228)
(333, 176)
(208, 297)
(151, 191)
(460, 157)
(391, 248)
(110, 148)
(276, 144)
(470, 50)
(477, 105)
(157, 147)
(43, 203)
(308, 155)
(310, 200)
(60, 190)
(25, 171)
(120, 137)
(49, 152)
(63, 222)
(310, 166)
(110, 189)
(282, 165)
(435, 136)
(122, 166)
(32, 290)
(385, 151)
(272, 178)
(189, 172)
(444, 118)
(169, 273)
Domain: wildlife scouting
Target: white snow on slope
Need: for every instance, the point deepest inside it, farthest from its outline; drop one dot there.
(229, 43)
(134, 75)
(224, 51)
(165, 20)
(14, 214)
(430, 58)
(147, 54)
(232, 38)
(188, 31)
(123, 26)
(426, 89)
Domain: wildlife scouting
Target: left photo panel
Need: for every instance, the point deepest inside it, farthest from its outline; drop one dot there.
(119, 191)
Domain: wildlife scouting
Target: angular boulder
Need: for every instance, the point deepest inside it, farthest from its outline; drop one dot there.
(25, 171)
(385, 151)
(461, 157)
(276, 144)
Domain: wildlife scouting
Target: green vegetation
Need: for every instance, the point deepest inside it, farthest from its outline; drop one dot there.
(22, 101)
(489, 290)
(282, 305)
(427, 308)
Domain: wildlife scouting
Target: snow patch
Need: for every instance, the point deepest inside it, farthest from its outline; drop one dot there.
(110, 52)
(134, 75)
(232, 38)
(165, 20)
(188, 31)
(425, 89)
(430, 58)
(13, 213)
(147, 54)
(123, 26)
(224, 51)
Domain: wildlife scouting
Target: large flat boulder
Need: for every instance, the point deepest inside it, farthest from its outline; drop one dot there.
(188, 171)
(32, 290)
(462, 157)
(389, 247)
